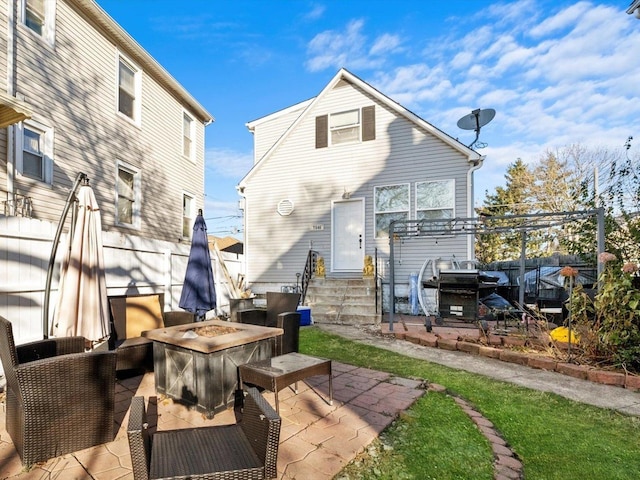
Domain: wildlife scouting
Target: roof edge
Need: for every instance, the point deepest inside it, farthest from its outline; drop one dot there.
(298, 106)
(472, 156)
(116, 33)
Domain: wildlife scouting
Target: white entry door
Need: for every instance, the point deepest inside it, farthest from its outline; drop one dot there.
(347, 243)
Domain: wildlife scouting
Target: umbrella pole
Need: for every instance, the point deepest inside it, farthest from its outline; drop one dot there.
(81, 177)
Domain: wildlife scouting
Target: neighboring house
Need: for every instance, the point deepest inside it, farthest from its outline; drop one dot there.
(80, 95)
(100, 105)
(227, 244)
(331, 173)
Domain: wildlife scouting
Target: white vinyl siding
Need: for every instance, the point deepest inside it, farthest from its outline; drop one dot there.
(312, 178)
(265, 130)
(74, 89)
(435, 200)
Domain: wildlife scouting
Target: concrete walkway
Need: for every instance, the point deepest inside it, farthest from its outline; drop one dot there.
(584, 391)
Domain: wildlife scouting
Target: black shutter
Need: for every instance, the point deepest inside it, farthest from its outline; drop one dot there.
(322, 131)
(368, 123)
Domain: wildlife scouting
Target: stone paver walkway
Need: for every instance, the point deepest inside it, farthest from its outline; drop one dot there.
(317, 440)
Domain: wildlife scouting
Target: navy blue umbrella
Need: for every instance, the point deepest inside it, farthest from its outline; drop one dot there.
(199, 290)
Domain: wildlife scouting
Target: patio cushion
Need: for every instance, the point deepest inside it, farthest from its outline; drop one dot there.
(136, 314)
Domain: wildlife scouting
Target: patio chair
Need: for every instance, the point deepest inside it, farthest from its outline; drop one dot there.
(59, 399)
(277, 303)
(289, 341)
(245, 450)
(130, 316)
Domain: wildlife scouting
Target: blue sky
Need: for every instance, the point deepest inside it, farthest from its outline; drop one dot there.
(556, 72)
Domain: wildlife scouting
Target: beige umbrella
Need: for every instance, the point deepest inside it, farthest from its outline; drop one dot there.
(82, 307)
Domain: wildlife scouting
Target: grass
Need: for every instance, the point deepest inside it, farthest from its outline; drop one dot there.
(555, 438)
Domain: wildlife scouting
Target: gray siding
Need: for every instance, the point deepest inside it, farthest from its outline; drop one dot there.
(73, 88)
(276, 246)
(273, 128)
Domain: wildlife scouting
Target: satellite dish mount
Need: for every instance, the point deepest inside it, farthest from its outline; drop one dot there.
(477, 119)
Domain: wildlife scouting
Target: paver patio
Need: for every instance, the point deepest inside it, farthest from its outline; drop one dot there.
(316, 441)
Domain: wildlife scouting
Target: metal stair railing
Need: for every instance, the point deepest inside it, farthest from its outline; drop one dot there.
(309, 269)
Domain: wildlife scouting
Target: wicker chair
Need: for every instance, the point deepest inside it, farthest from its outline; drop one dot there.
(59, 398)
(277, 303)
(246, 450)
(130, 316)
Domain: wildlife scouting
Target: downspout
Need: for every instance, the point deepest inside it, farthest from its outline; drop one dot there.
(11, 48)
(470, 199)
(242, 205)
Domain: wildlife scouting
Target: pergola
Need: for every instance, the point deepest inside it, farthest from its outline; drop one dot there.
(483, 225)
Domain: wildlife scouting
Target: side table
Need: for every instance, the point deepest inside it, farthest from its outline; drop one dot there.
(281, 371)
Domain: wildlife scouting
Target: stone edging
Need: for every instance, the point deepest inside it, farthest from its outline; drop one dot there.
(584, 372)
(506, 464)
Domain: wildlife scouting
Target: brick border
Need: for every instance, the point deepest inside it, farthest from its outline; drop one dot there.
(584, 372)
(506, 464)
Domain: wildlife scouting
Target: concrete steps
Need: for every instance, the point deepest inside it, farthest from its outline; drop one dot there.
(343, 301)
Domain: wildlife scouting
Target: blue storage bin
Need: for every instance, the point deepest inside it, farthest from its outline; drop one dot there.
(305, 315)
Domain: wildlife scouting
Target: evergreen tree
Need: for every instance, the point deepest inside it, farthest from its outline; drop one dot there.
(512, 199)
(573, 178)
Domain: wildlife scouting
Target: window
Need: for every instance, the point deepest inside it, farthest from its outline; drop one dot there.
(188, 215)
(34, 15)
(128, 90)
(435, 200)
(187, 136)
(35, 155)
(128, 196)
(38, 16)
(345, 127)
(391, 202)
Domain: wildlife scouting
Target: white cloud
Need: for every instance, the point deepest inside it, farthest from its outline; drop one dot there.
(564, 19)
(556, 76)
(316, 12)
(349, 49)
(385, 43)
(227, 164)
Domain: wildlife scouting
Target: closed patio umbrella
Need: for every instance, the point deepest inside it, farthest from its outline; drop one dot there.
(199, 290)
(82, 307)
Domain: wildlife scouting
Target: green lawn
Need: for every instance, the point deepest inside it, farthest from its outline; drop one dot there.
(555, 438)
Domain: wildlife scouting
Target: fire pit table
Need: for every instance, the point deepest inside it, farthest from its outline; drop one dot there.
(197, 364)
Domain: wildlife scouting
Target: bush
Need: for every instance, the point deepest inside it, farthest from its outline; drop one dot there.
(610, 322)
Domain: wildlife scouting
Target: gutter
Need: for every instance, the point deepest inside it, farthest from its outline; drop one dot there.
(101, 20)
(477, 164)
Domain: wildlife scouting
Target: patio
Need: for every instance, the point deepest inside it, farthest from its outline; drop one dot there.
(316, 441)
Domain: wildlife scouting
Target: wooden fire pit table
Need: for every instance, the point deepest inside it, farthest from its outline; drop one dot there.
(201, 370)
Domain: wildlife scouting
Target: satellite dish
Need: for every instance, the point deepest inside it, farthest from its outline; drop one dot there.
(477, 119)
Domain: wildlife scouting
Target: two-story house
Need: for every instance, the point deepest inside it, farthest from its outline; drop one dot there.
(81, 95)
(331, 174)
